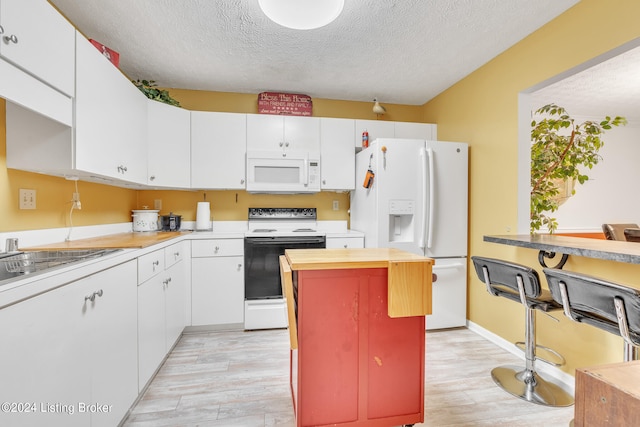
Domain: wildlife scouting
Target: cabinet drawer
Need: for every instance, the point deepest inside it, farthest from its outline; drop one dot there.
(345, 242)
(217, 247)
(149, 265)
(173, 254)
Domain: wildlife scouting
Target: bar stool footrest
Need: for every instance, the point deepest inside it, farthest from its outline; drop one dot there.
(559, 359)
(530, 386)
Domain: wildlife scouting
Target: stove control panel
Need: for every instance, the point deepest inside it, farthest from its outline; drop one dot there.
(282, 213)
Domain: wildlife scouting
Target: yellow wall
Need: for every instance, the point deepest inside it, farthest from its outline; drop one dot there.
(103, 204)
(482, 110)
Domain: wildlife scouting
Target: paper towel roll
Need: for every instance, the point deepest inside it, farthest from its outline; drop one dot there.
(203, 216)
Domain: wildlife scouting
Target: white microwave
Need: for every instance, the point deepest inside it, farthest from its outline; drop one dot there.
(283, 172)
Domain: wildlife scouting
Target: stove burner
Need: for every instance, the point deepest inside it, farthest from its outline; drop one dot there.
(301, 230)
(264, 230)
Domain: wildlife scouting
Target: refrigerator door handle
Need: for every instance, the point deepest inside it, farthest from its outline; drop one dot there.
(447, 267)
(423, 222)
(431, 197)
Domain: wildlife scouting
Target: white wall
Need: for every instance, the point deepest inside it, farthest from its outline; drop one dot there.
(611, 195)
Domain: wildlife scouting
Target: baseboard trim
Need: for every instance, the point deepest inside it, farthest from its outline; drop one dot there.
(567, 381)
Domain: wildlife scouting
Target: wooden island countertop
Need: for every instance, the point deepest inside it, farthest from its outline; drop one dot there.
(330, 259)
(133, 240)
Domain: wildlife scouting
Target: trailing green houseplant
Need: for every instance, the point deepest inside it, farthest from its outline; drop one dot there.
(151, 91)
(561, 152)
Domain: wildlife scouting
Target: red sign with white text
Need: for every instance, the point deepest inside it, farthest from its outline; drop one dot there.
(288, 104)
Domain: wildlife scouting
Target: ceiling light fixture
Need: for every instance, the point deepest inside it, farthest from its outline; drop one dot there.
(302, 14)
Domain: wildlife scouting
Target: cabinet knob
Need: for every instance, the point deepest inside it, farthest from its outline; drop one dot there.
(239, 266)
(242, 181)
(11, 39)
(92, 297)
(281, 144)
(122, 169)
(345, 246)
(324, 182)
(216, 249)
(1, 30)
(167, 281)
(152, 177)
(176, 254)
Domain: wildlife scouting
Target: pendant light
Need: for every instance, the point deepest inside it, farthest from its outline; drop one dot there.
(302, 14)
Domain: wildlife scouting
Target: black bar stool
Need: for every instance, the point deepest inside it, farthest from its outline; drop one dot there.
(522, 284)
(606, 305)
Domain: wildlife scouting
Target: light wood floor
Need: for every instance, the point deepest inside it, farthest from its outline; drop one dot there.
(241, 379)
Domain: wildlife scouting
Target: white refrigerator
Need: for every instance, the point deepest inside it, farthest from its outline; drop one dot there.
(412, 195)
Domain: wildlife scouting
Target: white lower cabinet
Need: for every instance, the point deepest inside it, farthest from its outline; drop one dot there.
(70, 355)
(217, 289)
(345, 242)
(162, 291)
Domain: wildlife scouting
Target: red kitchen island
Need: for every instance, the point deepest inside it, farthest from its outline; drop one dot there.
(357, 332)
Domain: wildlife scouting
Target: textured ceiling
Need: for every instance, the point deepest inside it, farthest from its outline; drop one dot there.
(400, 51)
(611, 87)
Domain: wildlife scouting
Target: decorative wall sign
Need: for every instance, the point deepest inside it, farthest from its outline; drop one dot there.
(288, 104)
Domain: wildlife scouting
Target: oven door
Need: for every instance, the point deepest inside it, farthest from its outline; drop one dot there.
(262, 266)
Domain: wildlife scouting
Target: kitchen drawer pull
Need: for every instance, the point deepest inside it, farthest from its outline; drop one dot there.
(152, 177)
(11, 39)
(176, 254)
(167, 281)
(92, 297)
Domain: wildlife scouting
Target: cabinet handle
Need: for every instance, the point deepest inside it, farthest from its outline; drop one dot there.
(216, 249)
(1, 30)
(152, 177)
(286, 144)
(176, 254)
(239, 266)
(167, 281)
(242, 181)
(281, 144)
(155, 264)
(11, 39)
(345, 246)
(92, 297)
(122, 169)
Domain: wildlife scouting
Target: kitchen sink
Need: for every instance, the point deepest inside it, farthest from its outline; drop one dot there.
(18, 264)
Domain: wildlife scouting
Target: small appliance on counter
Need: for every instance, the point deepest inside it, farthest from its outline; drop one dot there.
(145, 219)
(203, 216)
(170, 222)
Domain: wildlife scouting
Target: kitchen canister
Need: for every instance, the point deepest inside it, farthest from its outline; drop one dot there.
(203, 216)
(145, 220)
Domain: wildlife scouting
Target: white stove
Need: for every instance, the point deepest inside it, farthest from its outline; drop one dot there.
(271, 231)
(278, 222)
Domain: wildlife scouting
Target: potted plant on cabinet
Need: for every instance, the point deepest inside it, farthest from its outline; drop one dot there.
(151, 91)
(561, 151)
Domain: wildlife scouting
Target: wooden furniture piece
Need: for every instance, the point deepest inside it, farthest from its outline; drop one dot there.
(357, 332)
(608, 395)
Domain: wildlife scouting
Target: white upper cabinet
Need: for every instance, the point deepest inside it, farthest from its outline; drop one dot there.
(111, 116)
(375, 128)
(218, 149)
(36, 38)
(169, 147)
(415, 130)
(382, 129)
(284, 133)
(337, 156)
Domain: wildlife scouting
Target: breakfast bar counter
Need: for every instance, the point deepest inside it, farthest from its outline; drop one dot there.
(357, 329)
(549, 245)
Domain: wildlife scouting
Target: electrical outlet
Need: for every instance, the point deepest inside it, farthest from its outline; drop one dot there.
(76, 201)
(27, 199)
(157, 204)
(336, 205)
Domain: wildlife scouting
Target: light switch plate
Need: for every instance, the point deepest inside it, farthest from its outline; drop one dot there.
(27, 199)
